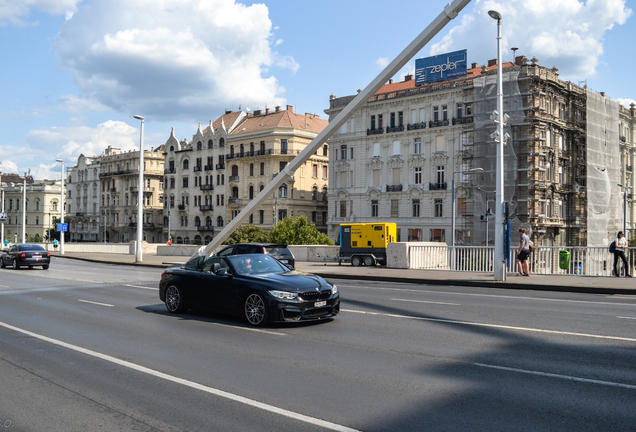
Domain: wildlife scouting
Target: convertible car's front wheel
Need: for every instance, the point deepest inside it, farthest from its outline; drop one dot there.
(255, 310)
(174, 300)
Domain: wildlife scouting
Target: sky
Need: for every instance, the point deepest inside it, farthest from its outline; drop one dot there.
(76, 71)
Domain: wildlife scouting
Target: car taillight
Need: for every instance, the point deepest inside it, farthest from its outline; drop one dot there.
(162, 273)
(48, 255)
(22, 255)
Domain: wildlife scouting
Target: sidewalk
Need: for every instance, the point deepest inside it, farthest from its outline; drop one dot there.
(580, 284)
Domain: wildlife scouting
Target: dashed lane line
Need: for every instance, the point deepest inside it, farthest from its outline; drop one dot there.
(96, 303)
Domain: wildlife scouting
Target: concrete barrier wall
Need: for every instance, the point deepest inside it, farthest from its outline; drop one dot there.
(399, 254)
(315, 253)
(146, 248)
(114, 248)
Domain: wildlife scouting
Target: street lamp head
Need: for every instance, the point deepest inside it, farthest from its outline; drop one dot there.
(138, 117)
(59, 160)
(494, 14)
(478, 169)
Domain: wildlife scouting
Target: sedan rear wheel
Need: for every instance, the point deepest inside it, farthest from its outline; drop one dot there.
(15, 265)
(2, 264)
(174, 300)
(255, 310)
(45, 267)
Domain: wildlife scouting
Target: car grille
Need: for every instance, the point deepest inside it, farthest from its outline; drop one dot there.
(315, 295)
(312, 313)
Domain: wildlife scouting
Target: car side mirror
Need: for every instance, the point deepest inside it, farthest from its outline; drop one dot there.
(223, 272)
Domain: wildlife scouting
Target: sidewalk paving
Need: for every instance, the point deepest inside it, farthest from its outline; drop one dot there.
(580, 284)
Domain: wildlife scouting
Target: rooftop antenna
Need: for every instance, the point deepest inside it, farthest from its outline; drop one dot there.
(514, 53)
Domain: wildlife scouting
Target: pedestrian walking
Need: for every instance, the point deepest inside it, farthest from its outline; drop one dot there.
(522, 253)
(620, 247)
(55, 245)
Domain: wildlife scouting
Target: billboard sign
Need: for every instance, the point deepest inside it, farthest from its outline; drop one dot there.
(441, 67)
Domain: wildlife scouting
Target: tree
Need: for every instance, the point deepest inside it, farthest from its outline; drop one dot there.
(297, 232)
(248, 234)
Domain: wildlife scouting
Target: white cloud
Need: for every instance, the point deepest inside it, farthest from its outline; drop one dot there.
(76, 104)
(382, 62)
(9, 167)
(174, 59)
(626, 102)
(15, 12)
(563, 33)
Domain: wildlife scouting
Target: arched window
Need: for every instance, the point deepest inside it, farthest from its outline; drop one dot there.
(218, 179)
(197, 239)
(172, 183)
(210, 144)
(208, 239)
(208, 221)
(219, 221)
(222, 179)
(282, 191)
(199, 145)
(235, 192)
(262, 187)
(186, 164)
(324, 194)
(222, 144)
(171, 148)
(197, 221)
(251, 192)
(314, 193)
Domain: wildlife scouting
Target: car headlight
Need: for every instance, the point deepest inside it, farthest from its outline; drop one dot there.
(334, 289)
(283, 295)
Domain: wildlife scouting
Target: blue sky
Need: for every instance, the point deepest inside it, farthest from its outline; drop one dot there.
(76, 71)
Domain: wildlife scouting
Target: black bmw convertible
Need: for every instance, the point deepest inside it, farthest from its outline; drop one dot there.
(255, 286)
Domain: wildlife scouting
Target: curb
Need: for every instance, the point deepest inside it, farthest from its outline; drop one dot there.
(420, 281)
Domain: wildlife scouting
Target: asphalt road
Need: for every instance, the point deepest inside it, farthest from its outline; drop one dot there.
(88, 347)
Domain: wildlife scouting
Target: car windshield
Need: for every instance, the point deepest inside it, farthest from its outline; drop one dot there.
(256, 264)
(278, 251)
(27, 247)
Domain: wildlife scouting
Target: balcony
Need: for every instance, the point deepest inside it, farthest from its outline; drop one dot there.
(375, 131)
(206, 207)
(145, 225)
(146, 189)
(208, 167)
(234, 201)
(197, 168)
(114, 173)
(205, 228)
(220, 166)
(463, 120)
(623, 139)
(206, 187)
(416, 126)
(399, 128)
(113, 189)
(438, 123)
(437, 186)
(170, 170)
(181, 207)
(394, 188)
(234, 179)
(79, 214)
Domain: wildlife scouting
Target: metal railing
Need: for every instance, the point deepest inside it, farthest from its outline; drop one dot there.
(584, 261)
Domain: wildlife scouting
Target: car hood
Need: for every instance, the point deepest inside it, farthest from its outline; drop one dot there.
(290, 281)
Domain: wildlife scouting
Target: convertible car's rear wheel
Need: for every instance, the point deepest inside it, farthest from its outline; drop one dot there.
(174, 300)
(255, 310)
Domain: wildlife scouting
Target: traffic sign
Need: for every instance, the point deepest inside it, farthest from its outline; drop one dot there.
(62, 227)
(3, 217)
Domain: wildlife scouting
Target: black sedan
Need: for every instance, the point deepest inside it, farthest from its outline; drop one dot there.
(26, 255)
(255, 286)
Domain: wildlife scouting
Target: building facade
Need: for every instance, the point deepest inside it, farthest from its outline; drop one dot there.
(83, 200)
(396, 158)
(212, 178)
(42, 207)
(119, 178)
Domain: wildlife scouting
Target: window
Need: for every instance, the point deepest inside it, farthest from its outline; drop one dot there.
(417, 145)
(261, 216)
(444, 112)
(440, 175)
(379, 121)
(460, 110)
(374, 208)
(376, 177)
(186, 164)
(262, 168)
(221, 144)
(325, 150)
(282, 191)
(418, 176)
(416, 208)
(251, 170)
(185, 182)
(548, 171)
(281, 166)
(394, 208)
(400, 118)
(282, 214)
(314, 171)
(325, 172)
(210, 144)
(251, 192)
(561, 210)
(372, 122)
(199, 145)
(396, 147)
(560, 141)
(548, 209)
(351, 153)
(376, 150)
(436, 113)
(438, 235)
(560, 175)
(415, 234)
(343, 152)
(438, 207)
(562, 111)
(283, 146)
(548, 138)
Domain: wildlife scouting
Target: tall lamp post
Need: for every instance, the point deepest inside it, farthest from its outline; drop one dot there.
(498, 117)
(470, 171)
(486, 217)
(61, 208)
(624, 208)
(140, 193)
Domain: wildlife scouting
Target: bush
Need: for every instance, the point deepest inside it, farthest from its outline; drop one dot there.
(297, 232)
(248, 234)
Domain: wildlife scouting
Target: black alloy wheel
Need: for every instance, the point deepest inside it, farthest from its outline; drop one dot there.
(255, 310)
(45, 267)
(174, 300)
(15, 265)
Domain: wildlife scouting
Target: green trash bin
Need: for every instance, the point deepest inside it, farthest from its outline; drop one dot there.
(564, 260)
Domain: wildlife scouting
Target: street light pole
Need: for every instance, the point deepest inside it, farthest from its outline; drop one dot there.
(62, 208)
(500, 259)
(140, 193)
(624, 208)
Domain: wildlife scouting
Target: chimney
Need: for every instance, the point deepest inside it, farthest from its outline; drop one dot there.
(492, 62)
(391, 81)
(473, 65)
(257, 112)
(290, 108)
(603, 94)
(277, 109)
(266, 110)
(408, 77)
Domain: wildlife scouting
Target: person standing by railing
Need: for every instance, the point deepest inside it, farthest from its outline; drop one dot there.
(620, 247)
(522, 253)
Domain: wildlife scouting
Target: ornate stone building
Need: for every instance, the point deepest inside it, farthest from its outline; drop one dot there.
(83, 200)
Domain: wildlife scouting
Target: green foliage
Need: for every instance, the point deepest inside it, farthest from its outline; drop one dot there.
(248, 234)
(297, 232)
(34, 239)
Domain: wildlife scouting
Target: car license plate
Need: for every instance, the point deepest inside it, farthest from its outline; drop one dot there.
(320, 304)
(37, 257)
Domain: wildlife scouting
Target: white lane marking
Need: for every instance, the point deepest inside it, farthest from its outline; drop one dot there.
(476, 324)
(96, 303)
(634, 318)
(424, 301)
(366, 288)
(565, 377)
(142, 287)
(251, 329)
(191, 384)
